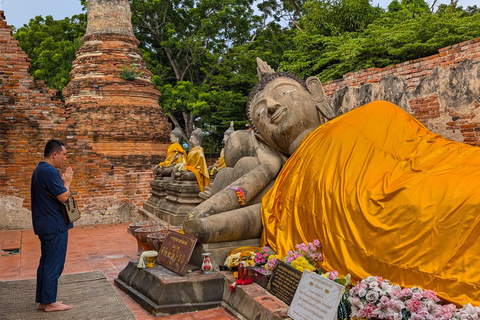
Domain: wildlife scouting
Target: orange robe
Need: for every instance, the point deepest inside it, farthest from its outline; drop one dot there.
(385, 197)
(221, 160)
(173, 150)
(196, 163)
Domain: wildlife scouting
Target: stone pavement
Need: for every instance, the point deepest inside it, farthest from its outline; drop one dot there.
(107, 248)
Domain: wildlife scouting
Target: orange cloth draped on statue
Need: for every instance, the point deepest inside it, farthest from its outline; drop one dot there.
(221, 160)
(385, 197)
(196, 163)
(173, 150)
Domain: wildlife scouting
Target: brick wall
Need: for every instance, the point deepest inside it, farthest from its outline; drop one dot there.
(114, 136)
(442, 91)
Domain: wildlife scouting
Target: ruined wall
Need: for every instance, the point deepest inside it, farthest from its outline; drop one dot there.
(442, 91)
(111, 177)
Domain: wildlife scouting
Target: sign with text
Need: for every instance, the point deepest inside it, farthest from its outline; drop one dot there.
(284, 281)
(176, 251)
(316, 298)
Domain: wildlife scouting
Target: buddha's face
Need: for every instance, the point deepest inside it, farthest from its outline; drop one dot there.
(174, 138)
(283, 113)
(194, 141)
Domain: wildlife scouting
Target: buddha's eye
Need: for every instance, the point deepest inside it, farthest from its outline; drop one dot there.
(285, 92)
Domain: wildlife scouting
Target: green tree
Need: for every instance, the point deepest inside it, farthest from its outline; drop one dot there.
(408, 30)
(51, 46)
(185, 44)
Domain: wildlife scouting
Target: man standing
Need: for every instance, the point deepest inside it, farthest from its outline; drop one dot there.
(48, 190)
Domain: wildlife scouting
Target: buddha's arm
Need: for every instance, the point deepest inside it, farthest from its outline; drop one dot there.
(252, 183)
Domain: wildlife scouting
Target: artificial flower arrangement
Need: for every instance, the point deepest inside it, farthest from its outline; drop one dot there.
(376, 298)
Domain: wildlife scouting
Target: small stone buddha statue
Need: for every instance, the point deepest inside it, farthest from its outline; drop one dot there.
(175, 155)
(213, 170)
(195, 167)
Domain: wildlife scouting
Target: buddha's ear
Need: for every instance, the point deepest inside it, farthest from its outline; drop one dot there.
(314, 86)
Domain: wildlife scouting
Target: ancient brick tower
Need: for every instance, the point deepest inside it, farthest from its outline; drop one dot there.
(116, 118)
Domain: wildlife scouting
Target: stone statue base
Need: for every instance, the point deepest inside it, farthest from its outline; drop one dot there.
(162, 292)
(181, 198)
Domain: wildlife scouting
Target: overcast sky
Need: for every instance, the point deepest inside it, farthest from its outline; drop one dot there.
(19, 12)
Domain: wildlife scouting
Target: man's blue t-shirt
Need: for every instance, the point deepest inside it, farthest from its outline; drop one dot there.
(47, 214)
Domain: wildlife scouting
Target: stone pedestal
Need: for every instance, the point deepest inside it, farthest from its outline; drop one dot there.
(152, 205)
(163, 292)
(181, 198)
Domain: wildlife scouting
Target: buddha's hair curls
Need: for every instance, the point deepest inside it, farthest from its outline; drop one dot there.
(266, 79)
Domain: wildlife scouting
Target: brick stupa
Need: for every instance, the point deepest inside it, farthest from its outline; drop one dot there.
(117, 118)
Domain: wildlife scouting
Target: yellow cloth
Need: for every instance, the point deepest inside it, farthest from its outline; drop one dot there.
(173, 150)
(221, 161)
(385, 197)
(196, 163)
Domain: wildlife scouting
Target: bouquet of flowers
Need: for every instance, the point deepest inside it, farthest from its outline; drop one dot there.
(272, 260)
(261, 257)
(376, 298)
(311, 252)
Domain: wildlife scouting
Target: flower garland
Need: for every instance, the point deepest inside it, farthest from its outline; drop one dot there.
(240, 194)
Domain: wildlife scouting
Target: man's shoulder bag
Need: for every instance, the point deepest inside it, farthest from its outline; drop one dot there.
(70, 210)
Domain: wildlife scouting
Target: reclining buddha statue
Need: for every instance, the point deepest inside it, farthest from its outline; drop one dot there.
(384, 195)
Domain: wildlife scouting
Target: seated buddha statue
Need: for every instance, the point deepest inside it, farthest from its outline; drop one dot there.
(195, 167)
(175, 155)
(384, 195)
(220, 163)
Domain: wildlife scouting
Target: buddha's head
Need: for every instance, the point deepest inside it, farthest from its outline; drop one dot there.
(196, 138)
(283, 109)
(176, 135)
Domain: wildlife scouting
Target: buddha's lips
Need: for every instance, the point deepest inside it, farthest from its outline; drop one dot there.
(277, 115)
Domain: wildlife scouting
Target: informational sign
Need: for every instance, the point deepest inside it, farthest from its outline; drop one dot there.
(176, 251)
(284, 281)
(316, 298)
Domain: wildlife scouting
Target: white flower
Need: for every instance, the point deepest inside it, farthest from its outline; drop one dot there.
(372, 296)
(362, 292)
(468, 312)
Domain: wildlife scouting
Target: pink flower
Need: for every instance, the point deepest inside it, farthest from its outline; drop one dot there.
(429, 294)
(446, 311)
(413, 305)
(333, 275)
(290, 259)
(316, 242)
(417, 296)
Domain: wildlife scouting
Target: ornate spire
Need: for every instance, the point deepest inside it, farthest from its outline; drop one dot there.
(263, 68)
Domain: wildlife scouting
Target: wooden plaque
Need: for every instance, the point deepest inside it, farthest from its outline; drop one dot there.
(284, 281)
(176, 251)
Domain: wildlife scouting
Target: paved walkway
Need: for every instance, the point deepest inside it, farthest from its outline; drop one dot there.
(107, 248)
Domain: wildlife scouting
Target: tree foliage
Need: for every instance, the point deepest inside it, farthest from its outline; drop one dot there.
(51, 46)
(408, 30)
(191, 48)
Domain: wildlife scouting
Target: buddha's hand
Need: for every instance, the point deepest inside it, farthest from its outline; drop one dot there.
(157, 170)
(266, 155)
(180, 167)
